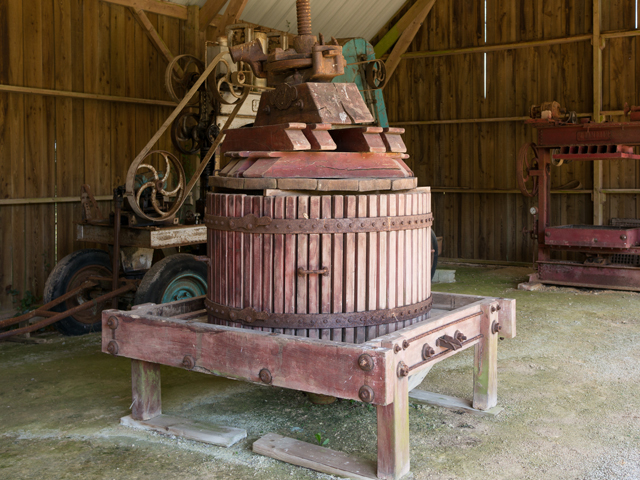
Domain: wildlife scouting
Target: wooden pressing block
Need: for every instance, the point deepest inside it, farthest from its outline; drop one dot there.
(453, 403)
(181, 427)
(315, 457)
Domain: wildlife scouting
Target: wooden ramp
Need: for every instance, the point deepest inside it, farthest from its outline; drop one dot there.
(181, 427)
(445, 401)
(315, 457)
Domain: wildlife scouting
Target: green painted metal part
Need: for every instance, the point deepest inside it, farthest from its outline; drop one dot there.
(359, 50)
(187, 285)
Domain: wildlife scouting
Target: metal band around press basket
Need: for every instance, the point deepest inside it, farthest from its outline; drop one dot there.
(252, 318)
(253, 224)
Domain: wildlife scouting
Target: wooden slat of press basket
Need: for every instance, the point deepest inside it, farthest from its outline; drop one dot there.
(367, 271)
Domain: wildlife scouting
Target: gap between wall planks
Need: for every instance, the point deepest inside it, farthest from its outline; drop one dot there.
(480, 154)
(86, 94)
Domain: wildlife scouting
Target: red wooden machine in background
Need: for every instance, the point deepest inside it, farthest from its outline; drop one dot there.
(610, 254)
(319, 256)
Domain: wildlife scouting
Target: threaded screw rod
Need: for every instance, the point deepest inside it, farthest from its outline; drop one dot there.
(303, 9)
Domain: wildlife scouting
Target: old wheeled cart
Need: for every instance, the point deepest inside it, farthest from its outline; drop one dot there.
(88, 281)
(319, 268)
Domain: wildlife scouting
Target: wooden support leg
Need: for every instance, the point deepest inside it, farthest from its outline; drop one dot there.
(393, 434)
(145, 386)
(485, 369)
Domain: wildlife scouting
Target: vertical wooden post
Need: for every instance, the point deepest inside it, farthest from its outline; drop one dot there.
(145, 387)
(193, 37)
(598, 196)
(485, 368)
(393, 434)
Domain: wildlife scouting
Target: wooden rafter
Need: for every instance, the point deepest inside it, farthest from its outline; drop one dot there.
(408, 35)
(397, 30)
(154, 6)
(174, 10)
(153, 35)
(209, 11)
(233, 12)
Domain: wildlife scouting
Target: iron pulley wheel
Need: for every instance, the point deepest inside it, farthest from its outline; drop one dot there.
(376, 74)
(526, 162)
(182, 72)
(184, 133)
(556, 162)
(158, 185)
(230, 87)
(149, 182)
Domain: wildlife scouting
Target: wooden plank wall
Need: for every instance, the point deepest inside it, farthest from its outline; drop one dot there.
(49, 146)
(482, 155)
(620, 84)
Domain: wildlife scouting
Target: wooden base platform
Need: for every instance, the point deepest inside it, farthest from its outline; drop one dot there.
(181, 427)
(376, 371)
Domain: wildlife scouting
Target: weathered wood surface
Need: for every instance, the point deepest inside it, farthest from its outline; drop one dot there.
(145, 388)
(393, 434)
(314, 457)
(365, 274)
(485, 366)
(184, 428)
(311, 365)
(482, 156)
(452, 403)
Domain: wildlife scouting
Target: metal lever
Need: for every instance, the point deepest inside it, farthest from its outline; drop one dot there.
(323, 271)
(449, 342)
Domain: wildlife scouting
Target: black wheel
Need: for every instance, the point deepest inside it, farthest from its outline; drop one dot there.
(434, 253)
(173, 278)
(71, 272)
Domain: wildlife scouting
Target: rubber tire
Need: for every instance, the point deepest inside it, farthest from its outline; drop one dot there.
(159, 277)
(58, 280)
(434, 246)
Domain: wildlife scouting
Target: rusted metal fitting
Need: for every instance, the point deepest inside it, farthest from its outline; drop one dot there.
(447, 341)
(403, 369)
(366, 394)
(323, 271)
(459, 336)
(365, 362)
(112, 347)
(405, 344)
(397, 348)
(493, 309)
(112, 323)
(203, 258)
(265, 376)
(495, 327)
(499, 307)
(188, 362)
(427, 351)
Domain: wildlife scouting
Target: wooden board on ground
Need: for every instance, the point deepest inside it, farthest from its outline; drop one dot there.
(181, 427)
(315, 457)
(453, 403)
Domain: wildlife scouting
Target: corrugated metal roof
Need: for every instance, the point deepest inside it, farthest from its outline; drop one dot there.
(332, 18)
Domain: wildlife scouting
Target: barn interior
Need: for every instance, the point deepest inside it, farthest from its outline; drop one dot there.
(511, 125)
